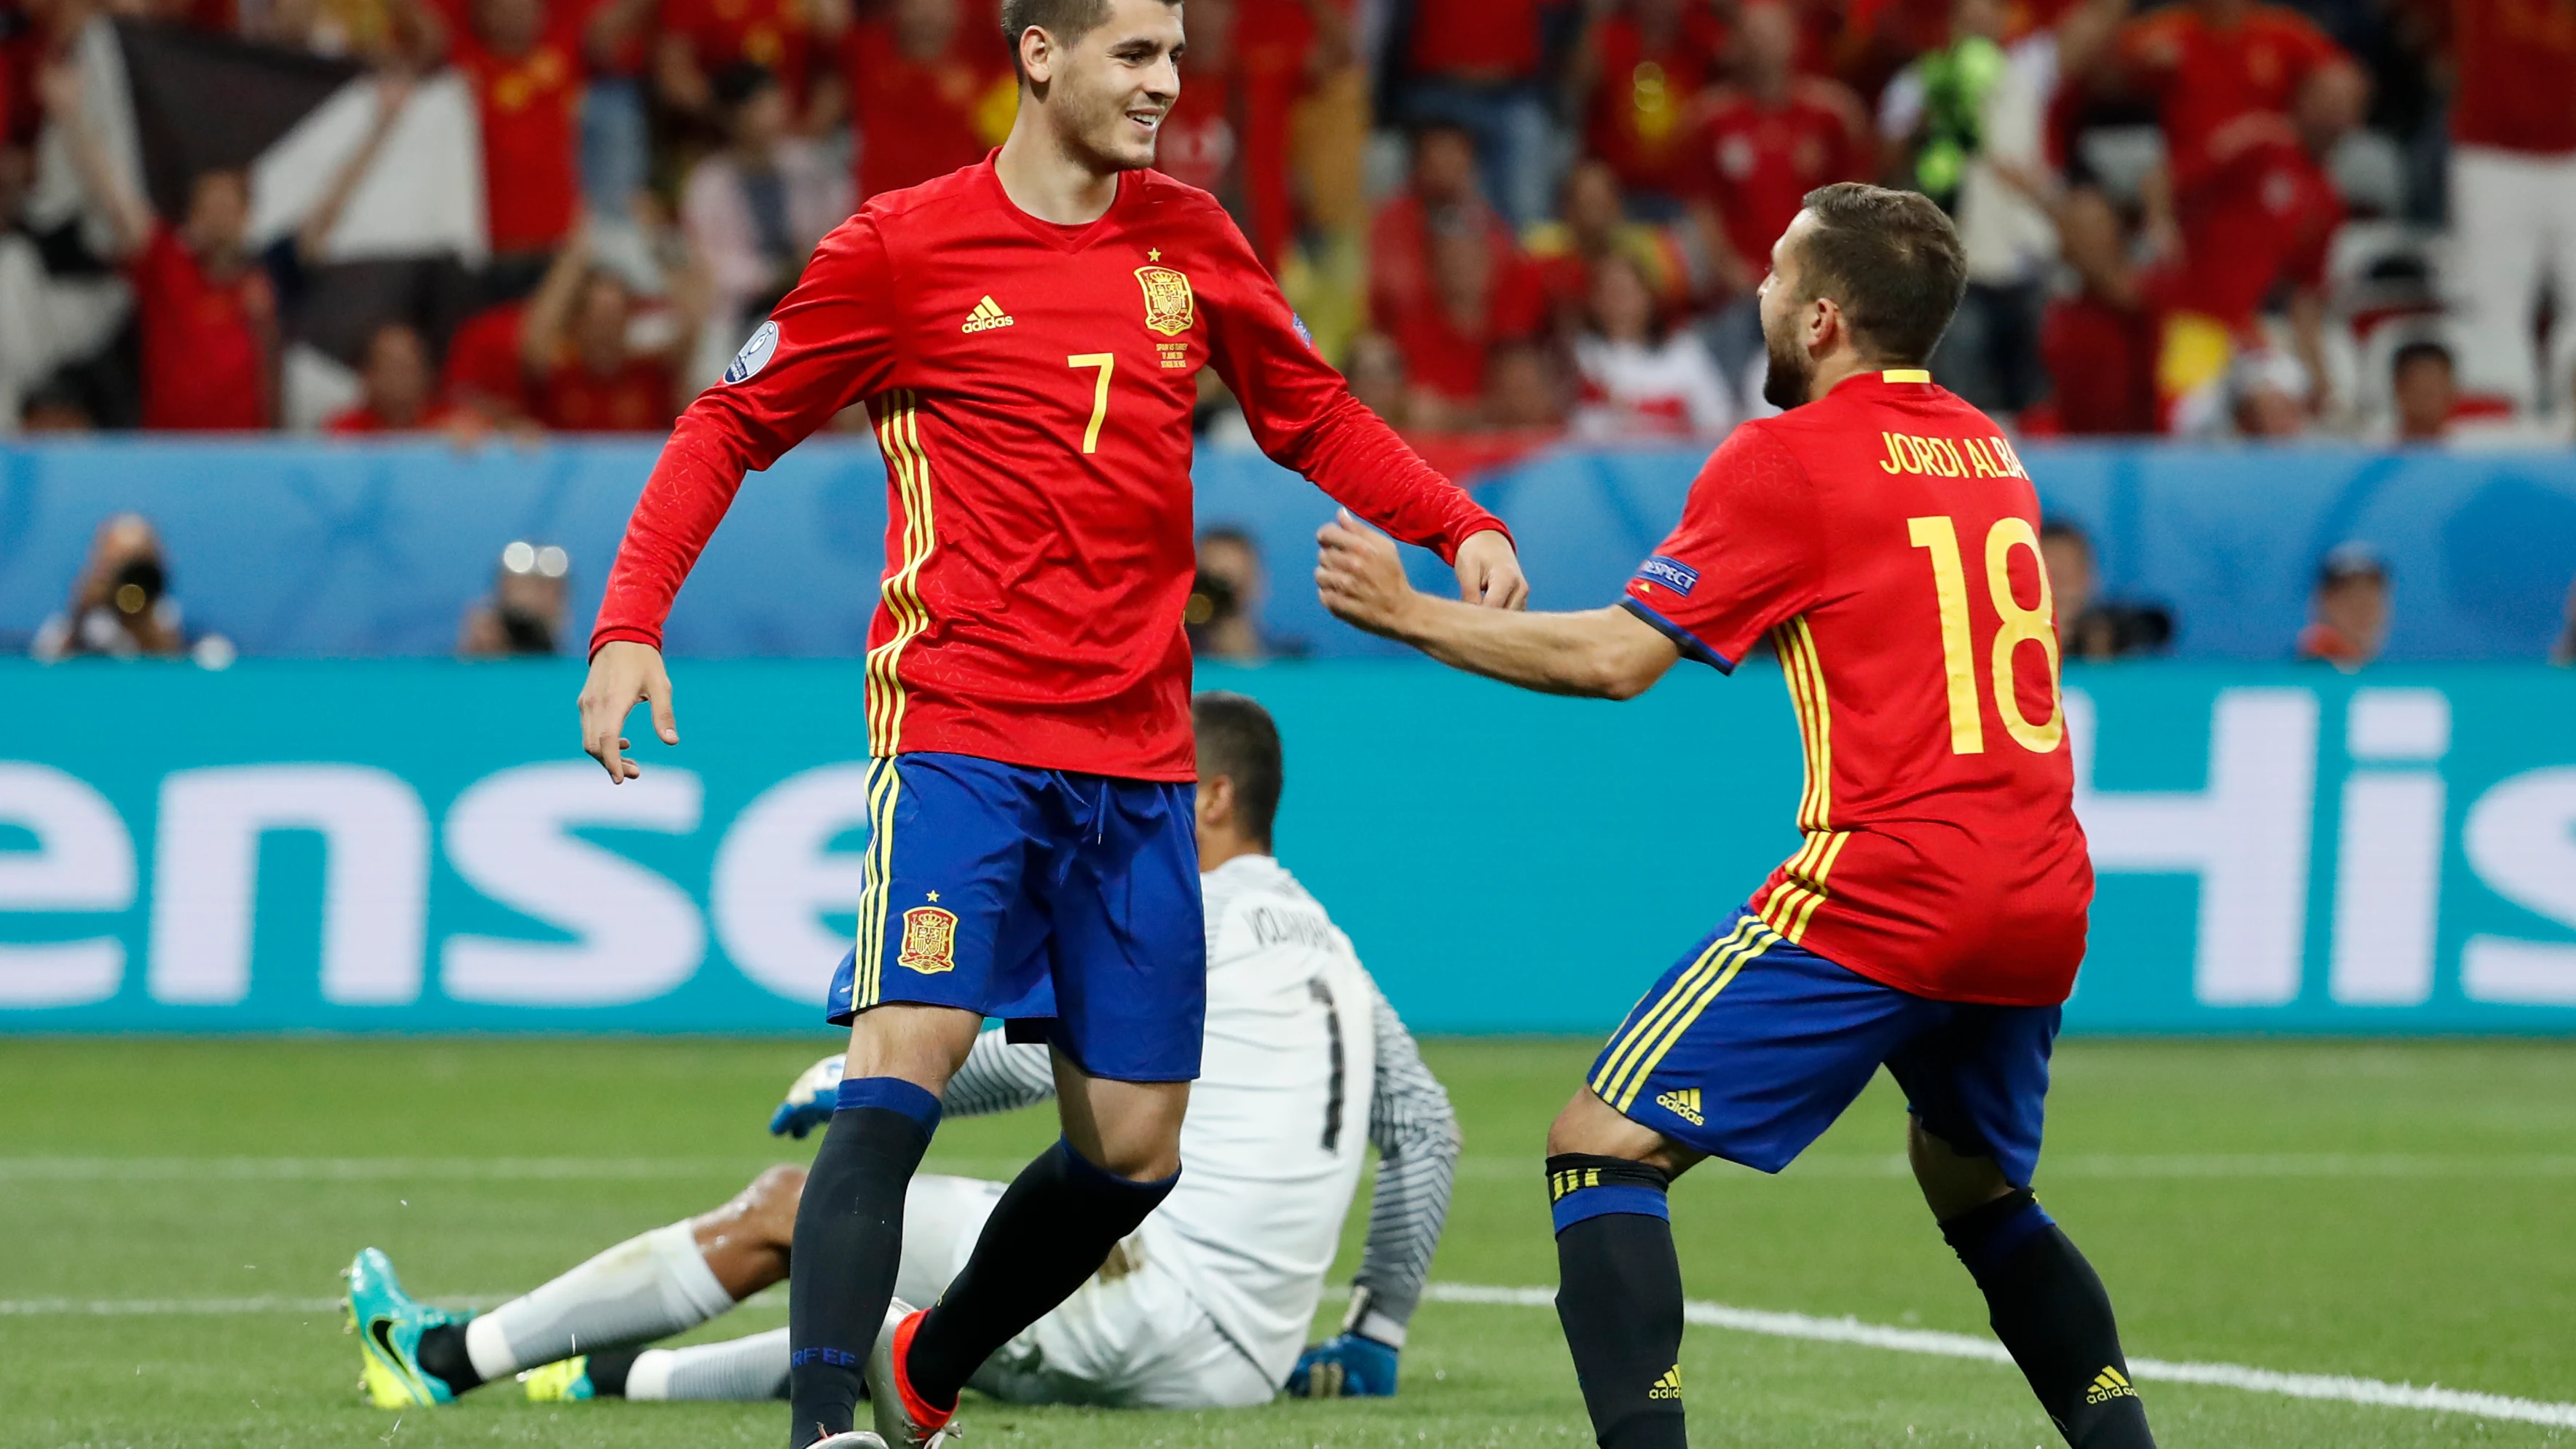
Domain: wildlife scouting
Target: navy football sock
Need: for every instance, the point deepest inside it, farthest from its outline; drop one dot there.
(849, 1239)
(442, 1356)
(2050, 1309)
(1052, 1229)
(1619, 1297)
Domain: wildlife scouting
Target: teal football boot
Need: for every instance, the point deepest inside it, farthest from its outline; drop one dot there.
(389, 1325)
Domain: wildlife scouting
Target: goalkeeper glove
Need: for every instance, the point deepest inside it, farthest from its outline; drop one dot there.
(1345, 1366)
(810, 1101)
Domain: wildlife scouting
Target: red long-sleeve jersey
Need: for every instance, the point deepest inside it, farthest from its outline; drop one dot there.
(1032, 387)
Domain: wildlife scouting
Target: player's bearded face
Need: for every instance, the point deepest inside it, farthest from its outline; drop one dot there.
(1791, 370)
(1117, 83)
(1784, 386)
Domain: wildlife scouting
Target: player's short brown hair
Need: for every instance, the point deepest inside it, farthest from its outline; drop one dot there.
(1892, 261)
(1238, 739)
(1066, 20)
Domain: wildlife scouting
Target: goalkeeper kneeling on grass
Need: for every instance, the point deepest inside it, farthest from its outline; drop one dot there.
(1206, 1306)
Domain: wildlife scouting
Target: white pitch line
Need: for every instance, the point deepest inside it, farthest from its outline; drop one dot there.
(2377, 1393)
(2338, 1388)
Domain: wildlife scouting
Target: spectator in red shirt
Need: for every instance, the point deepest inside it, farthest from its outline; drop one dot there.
(2209, 63)
(2513, 187)
(2262, 214)
(1638, 74)
(1766, 141)
(527, 78)
(1475, 64)
(702, 37)
(2100, 343)
(484, 376)
(1480, 298)
(207, 310)
(585, 374)
(400, 391)
(1442, 193)
(927, 94)
(1596, 229)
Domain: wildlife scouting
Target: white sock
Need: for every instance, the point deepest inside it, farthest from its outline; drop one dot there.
(645, 1288)
(739, 1370)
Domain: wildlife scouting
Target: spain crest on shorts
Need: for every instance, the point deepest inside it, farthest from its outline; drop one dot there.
(1168, 308)
(929, 940)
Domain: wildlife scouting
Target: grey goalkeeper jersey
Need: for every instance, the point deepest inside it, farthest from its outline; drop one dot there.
(1271, 1151)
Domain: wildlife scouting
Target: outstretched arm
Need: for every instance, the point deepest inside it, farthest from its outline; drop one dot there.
(1603, 653)
(129, 215)
(1303, 415)
(828, 342)
(1416, 1136)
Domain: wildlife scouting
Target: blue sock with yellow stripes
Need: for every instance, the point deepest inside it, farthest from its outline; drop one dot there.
(1619, 1296)
(2050, 1309)
(849, 1239)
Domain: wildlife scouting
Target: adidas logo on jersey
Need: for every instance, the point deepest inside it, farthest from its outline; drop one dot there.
(1669, 1386)
(988, 314)
(1683, 1104)
(2107, 1385)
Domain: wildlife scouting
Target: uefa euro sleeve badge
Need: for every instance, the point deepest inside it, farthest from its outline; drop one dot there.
(1168, 308)
(929, 940)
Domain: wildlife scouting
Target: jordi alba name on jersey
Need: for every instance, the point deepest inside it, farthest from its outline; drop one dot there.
(1885, 541)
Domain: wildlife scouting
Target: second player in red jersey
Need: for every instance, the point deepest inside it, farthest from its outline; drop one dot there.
(1885, 541)
(1884, 538)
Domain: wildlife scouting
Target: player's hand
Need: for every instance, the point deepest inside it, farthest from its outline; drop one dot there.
(1360, 577)
(1345, 1366)
(622, 673)
(1489, 572)
(810, 1102)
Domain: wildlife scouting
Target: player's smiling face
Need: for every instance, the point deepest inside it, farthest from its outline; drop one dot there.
(1110, 90)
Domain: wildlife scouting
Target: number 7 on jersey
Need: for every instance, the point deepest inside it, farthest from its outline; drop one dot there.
(1107, 362)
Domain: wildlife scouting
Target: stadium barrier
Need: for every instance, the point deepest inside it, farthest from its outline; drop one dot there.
(296, 547)
(418, 846)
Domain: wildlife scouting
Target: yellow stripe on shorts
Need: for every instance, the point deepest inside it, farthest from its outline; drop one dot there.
(1618, 1071)
(1734, 961)
(876, 882)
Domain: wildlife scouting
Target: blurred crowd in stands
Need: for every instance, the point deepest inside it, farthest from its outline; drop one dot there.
(1508, 220)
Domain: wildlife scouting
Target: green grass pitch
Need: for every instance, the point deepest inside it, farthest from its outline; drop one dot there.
(2402, 1212)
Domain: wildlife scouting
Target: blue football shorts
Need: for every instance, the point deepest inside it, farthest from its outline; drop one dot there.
(1750, 1047)
(1067, 905)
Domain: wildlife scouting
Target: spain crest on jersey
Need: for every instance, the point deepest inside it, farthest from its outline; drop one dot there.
(929, 940)
(1168, 308)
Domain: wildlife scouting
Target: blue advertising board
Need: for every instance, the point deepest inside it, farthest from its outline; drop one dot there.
(298, 548)
(417, 846)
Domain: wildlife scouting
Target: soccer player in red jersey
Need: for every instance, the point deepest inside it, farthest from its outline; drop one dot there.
(1026, 335)
(1882, 535)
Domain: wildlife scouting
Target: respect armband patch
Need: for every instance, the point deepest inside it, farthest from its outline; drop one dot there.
(1672, 573)
(755, 354)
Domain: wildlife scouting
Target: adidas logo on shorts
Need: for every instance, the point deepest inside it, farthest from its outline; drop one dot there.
(2107, 1385)
(1683, 1104)
(988, 314)
(1669, 1386)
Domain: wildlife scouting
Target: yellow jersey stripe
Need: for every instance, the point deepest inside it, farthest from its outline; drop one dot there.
(1824, 867)
(1796, 667)
(1820, 709)
(1735, 963)
(1907, 374)
(899, 438)
(1623, 1050)
(910, 426)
